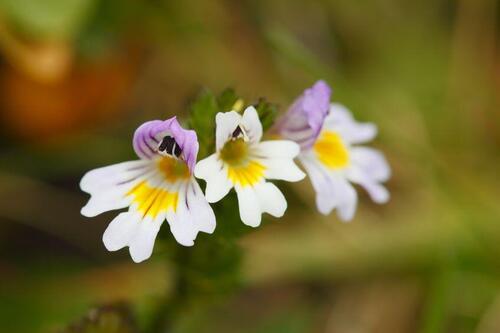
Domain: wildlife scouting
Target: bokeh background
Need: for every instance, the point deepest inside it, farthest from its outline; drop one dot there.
(78, 76)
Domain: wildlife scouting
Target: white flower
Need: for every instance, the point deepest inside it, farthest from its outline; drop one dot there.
(243, 162)
(159, 186)
(336, 160)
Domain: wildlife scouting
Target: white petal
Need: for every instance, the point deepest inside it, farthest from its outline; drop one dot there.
(141, 246)
(226, 123)
(332, 189)
(218, 186)
(341, 121)
(183, 233)
(271, 199)
(202, 214)
(347, 199)
(251, 124)
(377, 192)
(181, 221)
(277, 149)
(95, 206)
(100, 178)
(113, 198)
(339, 114)
(322, 184)
(208, 167)
(182, 230)
(358, 133)
(121, 230)
(250, 211)
(372, 162)
(282, 168)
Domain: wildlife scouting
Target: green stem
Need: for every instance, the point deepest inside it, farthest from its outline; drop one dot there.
(170, 305)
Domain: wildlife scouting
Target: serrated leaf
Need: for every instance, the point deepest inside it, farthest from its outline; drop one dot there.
(227, 99)
(203, 110)
(267, 113)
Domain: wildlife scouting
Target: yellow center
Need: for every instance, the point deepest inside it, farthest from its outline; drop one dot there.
(331, 150)
(241, 169)
(234, 152)
(173, 169)
(151, 201)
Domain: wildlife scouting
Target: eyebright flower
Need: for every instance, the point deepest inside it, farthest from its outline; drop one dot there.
(158, 186)
(243, 162)
(304, 118)
(330, 152)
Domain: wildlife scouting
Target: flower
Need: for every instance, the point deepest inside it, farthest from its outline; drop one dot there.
(304, 118)
(330, 151)
(158, 186)
(243, 162)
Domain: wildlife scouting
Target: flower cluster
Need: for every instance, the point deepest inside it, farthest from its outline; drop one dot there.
(162, 186)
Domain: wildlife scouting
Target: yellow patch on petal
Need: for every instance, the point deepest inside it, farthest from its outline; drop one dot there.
(331, 150)
(173, 169)
(246, 175)
(151, 201)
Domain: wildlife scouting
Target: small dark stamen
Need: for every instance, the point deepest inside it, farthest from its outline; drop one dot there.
(177, 150)
(169, 146)
(163, 145)
(237, 132)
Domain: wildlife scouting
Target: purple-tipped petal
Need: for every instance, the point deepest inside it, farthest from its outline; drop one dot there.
(149, 135)
(304, 119)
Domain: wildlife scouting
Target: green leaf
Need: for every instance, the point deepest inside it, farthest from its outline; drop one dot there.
(267, 113)
(227, 99)
(203, 111)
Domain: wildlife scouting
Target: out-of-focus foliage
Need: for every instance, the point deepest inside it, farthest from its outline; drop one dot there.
(52, 19)
(111, 319)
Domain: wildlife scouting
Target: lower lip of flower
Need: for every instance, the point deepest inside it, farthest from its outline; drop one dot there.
(331, 150)
(242, 169)
(151, 201)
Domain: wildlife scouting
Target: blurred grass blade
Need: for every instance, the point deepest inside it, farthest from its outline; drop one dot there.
(292, 50)
(435, 311)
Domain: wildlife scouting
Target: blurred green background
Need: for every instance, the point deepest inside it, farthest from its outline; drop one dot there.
(78, 76)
